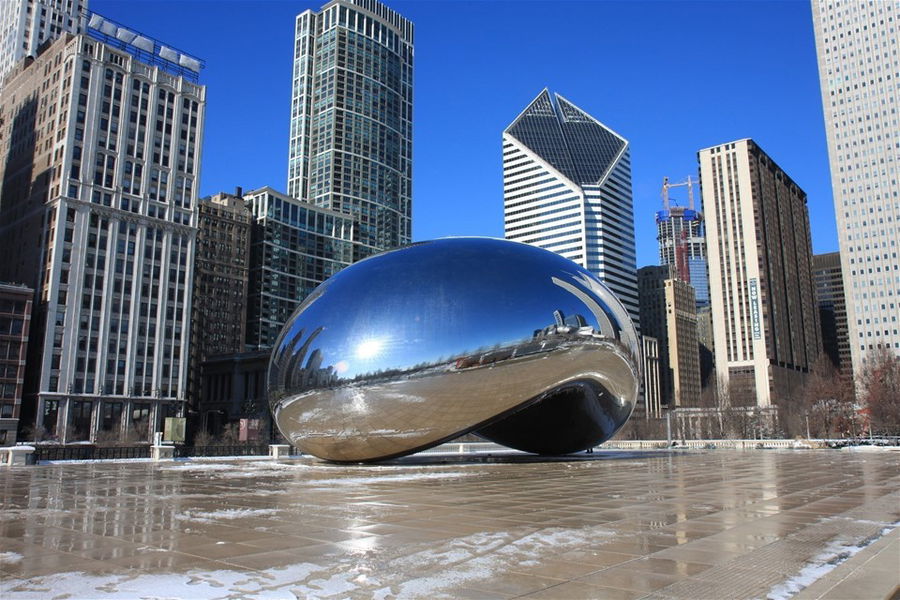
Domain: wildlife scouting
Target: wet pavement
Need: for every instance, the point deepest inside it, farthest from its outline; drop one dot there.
(614, 524)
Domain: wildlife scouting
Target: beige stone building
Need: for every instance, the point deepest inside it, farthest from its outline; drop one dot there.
(765, 319)
(99, 206)
(669, 314)
(652, 404)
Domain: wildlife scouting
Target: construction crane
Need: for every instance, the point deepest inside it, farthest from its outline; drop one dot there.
(665, 191)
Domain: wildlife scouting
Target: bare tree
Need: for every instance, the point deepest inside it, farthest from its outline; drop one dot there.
(711, 401)
(639, 427)
(823, 407)
(879, 387)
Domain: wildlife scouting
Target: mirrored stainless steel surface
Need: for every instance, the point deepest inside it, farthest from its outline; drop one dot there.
(415, 346)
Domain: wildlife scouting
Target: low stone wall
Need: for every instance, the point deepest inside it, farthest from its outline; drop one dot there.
(17, 455)
(25, 455)
(710, 444)
(472, 447)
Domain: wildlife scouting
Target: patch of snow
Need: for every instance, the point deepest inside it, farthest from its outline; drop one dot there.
(336, 585)
(868, 448)
(14, 514)
(10, 557)
(250, 458)
(444, 567)
(835, 553)
(263, 492)
(192, 466)
(328, 479)
(177, 461)
(387, 478)
(227, 514)
(236, 470)
(212, 585)
(105, 461)
(863, 521)
(477, 557)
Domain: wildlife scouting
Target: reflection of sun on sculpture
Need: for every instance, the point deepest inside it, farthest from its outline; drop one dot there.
(368, 349)
(413, 347)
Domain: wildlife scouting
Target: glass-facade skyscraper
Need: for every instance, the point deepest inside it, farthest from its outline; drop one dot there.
(567, 188)
(351, 119)
(294, 246)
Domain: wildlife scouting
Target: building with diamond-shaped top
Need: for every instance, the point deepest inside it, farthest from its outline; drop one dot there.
(567, 188)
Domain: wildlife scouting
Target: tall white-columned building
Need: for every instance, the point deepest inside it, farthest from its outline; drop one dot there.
(26, 24)
(762, 294)
(858, 45)
(567, 188)
(351, 119)
(99, 206)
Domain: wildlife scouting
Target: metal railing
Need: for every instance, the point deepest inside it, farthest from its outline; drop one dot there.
(89, 452)
(85, 452)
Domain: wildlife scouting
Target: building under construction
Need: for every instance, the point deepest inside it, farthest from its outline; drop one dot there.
(682, 240)
(682, 243)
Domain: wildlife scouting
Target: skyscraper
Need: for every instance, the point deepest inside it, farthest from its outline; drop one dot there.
(856, 43)
(681, 234)
(351, 119)
(15, 322)
(26, 24)
(650, 390)
(682, 242)
(832, 309)
(567, 188)
(99, 188)
(219, 288)
(669, 314)
(765, 320)
(294, 246)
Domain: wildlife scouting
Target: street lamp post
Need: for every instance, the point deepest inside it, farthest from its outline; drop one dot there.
(668, 426)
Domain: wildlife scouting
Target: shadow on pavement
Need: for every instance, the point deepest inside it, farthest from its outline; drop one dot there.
(508, 457)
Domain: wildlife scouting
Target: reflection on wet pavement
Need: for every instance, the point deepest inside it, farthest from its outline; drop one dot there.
(626, 525)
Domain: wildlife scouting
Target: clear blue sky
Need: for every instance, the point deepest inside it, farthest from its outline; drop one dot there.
(671, 77)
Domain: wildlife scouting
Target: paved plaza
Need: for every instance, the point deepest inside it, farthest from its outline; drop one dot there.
(613, 524)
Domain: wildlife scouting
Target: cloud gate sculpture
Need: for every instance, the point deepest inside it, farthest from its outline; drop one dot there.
(413, 347)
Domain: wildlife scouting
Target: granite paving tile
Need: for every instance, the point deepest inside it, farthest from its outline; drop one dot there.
(655, 524)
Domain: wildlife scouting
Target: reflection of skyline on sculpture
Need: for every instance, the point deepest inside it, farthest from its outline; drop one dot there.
(463, 320)
(311, 370)
(359, 353)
